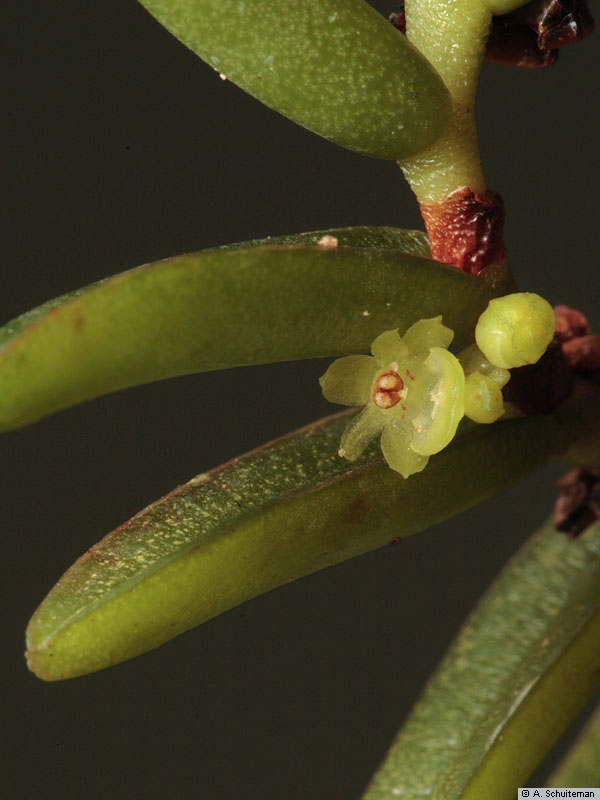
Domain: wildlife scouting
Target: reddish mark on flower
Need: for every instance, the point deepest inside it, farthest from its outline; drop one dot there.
(466, 229)
(388, 389)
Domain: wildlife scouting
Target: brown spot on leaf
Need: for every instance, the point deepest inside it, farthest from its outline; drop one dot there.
(78, 318)
(357, 511)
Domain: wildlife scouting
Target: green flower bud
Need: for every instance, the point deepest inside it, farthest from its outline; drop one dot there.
(515, 330)
(483, 399)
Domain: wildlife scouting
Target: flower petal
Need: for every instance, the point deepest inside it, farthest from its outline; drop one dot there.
(395, 441)
(361, 430)
(425, 334)
(348, 380)
(388, 347)
(442, 404)
(483, 398)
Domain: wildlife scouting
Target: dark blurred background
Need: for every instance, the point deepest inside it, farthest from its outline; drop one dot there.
(121, 147)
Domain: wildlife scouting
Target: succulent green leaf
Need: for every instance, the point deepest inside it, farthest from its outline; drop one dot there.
(522, 667)
(337, 67)
(221, 308)
(503, 6)
(283, 511)
(581, 765)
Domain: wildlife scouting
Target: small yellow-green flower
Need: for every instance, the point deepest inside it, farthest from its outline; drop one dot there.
(412, 390)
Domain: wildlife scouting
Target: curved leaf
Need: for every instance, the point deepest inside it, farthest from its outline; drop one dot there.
(504, 6)
(283, 511)
(222, 308)
(581, 765)
(337, 67)
(520, 670)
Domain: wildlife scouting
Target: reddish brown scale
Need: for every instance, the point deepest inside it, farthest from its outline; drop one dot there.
(583, 353)
(513, 45)
(387, 391)
(560, 22)
(541, 387)
(398, 19)
(530, 36)
(570, 323)
(578, 503)
(466, 229)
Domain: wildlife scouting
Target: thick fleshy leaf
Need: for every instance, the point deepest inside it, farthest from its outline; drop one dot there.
(520, 670)
(337, 67)
(581, 765)
(505, 6)
(223, 308)
(274, 515)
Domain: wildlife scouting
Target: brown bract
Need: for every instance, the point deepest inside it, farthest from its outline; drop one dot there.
(570, 323)
(583, 353)
(578, 503)
(466, 229)
(541, 387)
(581, 349)
(530, 36)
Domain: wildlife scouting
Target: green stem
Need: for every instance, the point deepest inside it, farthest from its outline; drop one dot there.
(452, 35)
